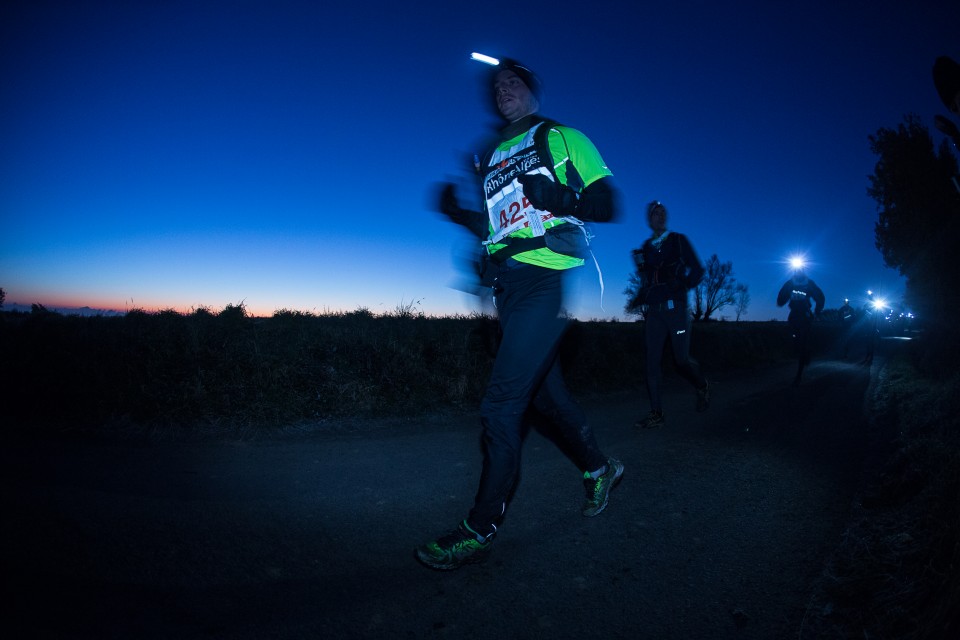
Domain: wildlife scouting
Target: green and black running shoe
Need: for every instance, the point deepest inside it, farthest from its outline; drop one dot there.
(598, 489)
(654, 420)
(461, 546)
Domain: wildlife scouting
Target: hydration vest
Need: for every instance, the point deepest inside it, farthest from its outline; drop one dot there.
(515, 225)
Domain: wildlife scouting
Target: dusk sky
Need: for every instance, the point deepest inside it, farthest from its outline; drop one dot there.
(171, 154)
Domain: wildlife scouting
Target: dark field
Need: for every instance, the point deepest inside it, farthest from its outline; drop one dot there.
(225, 476)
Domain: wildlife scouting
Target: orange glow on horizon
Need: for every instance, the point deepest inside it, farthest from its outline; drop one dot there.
(108, 304)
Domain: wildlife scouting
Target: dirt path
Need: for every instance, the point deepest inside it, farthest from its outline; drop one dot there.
(720, 526)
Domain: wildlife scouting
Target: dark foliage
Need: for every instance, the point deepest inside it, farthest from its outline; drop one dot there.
(225, 368)
(918, 231)
(894, 573)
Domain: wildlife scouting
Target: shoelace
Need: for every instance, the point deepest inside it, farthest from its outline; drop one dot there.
(460, 535)
(593, 484)
(455, 536)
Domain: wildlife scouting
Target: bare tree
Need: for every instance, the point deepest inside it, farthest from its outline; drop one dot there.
(698, 301)
(716, 290)
(743, 300)
(632, 291)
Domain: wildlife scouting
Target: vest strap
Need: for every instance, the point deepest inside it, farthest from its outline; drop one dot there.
(517, 245)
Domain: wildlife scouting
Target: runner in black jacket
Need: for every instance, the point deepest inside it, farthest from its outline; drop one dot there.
(801, 292)
(668, 268)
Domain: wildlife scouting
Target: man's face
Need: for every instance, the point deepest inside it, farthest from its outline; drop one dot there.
(657, 219)
(514, 98)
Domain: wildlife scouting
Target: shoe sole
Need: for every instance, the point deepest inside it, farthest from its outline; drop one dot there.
(476, 558)
(644, 425)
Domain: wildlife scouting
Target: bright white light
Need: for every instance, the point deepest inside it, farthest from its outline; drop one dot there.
(796, 262)
(879, 303)
(479, 57)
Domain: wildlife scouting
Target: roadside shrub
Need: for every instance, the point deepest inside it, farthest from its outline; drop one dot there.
(894, 575)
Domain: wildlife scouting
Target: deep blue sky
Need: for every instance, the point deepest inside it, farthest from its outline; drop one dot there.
(165, 154)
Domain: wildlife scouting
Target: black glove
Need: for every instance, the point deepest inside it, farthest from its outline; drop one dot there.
(547, 195)
(448, 204)
(448, 201)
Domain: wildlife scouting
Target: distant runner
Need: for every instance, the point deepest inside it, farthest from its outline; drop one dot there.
(668, 268)
(801, 293)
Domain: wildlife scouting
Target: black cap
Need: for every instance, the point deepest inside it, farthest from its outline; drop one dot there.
(656, 204)
(523, 72)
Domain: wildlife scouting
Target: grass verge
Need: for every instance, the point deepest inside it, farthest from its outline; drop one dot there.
(896, 571)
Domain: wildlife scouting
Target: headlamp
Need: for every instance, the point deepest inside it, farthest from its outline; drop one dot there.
(485, 59)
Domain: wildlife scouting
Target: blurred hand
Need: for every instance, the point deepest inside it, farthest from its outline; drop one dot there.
(546, 195)
(448, 200)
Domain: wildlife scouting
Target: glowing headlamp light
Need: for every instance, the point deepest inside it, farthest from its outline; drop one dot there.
(479, 57)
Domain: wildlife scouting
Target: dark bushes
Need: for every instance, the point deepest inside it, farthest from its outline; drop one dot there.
(169, 368)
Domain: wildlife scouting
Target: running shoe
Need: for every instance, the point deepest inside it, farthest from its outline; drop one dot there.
(653, 420)
(598, 489)
(461, 546)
